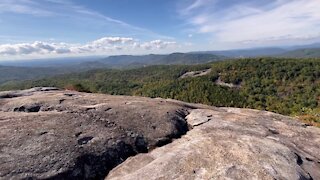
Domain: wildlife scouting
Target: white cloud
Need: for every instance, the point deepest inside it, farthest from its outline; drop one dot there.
(103, 46)
(112, 40)
(279, 21)
(157, 44)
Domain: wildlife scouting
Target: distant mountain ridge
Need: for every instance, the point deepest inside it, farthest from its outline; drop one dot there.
(269, 51)
(12, 73)
(156, 59)
(9, 71)
(300, 51)
(303, 53)
(195, 57)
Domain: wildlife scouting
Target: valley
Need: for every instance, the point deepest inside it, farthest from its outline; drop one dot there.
(281, 85)
(159, 90)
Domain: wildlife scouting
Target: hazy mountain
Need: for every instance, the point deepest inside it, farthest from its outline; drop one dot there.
(303, 53)
(50, 62)
(307, 46)
(308, 50)
(48, 68)
(269, 51)
(116, 61)
(10, 73)
(156, 59)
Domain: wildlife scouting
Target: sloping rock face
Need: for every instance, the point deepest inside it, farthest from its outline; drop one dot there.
(230, 143)
(46, 133)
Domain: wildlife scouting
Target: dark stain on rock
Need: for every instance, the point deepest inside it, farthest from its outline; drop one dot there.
(78, 134)
(61, 101)
(91, 166)
(8, 96)
(273, 131)
(69, 94)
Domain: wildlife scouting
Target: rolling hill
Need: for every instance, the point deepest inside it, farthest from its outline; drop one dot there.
(11, 73)
(156, 59)
(285, 86)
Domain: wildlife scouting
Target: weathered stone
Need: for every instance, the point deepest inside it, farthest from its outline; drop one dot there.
(83, 136)
(52, 134)
(233, 144)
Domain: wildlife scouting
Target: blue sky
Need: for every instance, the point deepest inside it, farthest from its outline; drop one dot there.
(55, 28)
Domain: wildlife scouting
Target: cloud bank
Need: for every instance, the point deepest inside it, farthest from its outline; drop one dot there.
(102, 46)
(251, 21)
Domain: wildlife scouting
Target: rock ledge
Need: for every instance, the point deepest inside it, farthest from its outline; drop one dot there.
(47, 133)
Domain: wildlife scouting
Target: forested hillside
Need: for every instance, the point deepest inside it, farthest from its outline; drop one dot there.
(157, 59)
(286, 86)
(10, 73)
(49, 69)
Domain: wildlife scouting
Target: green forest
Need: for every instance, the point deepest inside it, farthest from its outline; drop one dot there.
(281, 85)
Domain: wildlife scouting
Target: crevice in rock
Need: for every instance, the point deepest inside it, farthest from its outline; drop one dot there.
(309, 159)
(199, 124)
(300, 163)
(78, 134)
(302, 177)
(299, 159)
(84, 140)
(69, 94)
(93, 166)
(180, 123)
(8, 96)
(141, 144)
(181, 126)
(163, 141)
(32, 108)
(108, 109)
(43, 133)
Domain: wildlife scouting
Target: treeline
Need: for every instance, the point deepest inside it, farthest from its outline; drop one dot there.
(285, 86)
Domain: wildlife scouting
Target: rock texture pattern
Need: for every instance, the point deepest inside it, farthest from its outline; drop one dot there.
(229, 143)
(46, 133)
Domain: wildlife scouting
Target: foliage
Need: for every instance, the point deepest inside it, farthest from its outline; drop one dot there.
(285, 86)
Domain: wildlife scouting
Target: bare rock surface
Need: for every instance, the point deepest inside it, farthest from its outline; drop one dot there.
(50, 134)
(229, 143)
(47, 133)
(196, 73)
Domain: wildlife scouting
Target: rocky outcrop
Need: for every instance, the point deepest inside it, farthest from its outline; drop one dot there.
(229, 143)
(196, 73)
(47, 133)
